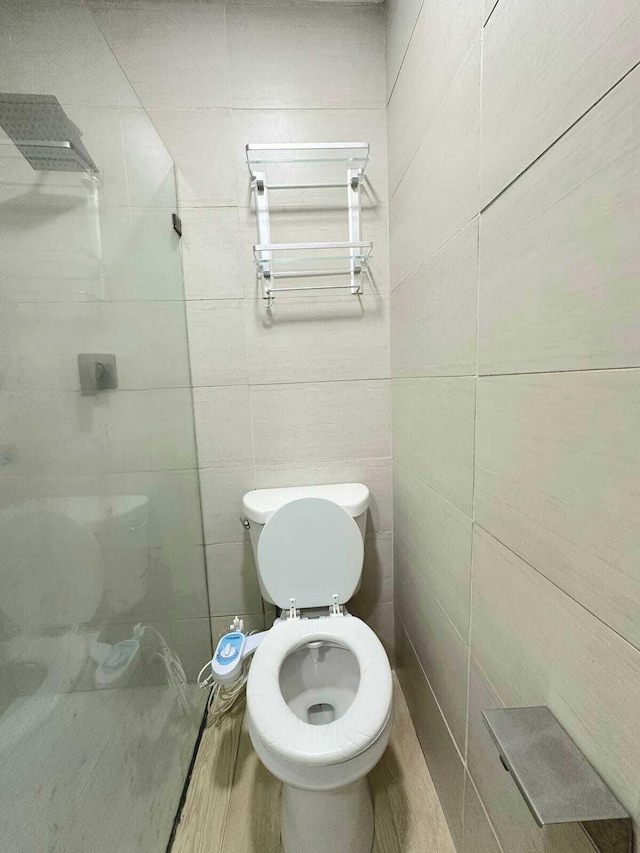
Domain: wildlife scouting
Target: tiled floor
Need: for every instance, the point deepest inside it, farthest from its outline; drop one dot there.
(232, 804)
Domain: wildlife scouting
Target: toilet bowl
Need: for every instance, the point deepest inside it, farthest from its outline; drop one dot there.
(319, 692)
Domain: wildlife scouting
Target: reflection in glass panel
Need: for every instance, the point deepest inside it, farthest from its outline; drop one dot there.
(103, 605)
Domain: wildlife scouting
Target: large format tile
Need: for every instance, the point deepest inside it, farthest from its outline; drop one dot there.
(374, 473)
(543, 66)
(445, 764)
(559, 261)
(436, 538)
(441, 652)
(537, 646)
(512, 821)
(222, 490)
(442, 181)
(317, 339)
(296, 47)
(321, 421)
(478, 835)
(223, 426)
(433, 312)
(201, 143)
(216, 342)
(556, 481)
(42, 341)
(401, 17)
(217, 259)
(433, 431)
(443, 36)
(174, 54)
(232, 579)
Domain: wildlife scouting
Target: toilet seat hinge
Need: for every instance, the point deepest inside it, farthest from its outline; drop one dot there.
(334, 608)
(293, 613)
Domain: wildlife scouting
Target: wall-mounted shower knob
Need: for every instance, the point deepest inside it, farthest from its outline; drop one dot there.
(98, 372)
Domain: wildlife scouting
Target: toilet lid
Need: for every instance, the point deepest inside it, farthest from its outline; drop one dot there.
(310, 549)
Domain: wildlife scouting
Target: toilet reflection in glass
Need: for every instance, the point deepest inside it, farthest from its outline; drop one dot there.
(319, 690)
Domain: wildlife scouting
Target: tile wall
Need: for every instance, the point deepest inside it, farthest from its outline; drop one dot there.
(303, 396)
(514, 195)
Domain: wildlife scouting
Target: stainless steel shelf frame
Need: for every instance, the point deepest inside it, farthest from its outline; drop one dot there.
(308, 260)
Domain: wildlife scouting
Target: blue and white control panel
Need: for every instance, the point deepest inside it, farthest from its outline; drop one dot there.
(227, 660)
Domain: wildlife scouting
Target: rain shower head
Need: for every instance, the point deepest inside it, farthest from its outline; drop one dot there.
(48, 140)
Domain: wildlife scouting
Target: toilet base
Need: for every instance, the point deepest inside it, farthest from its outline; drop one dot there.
(320, 821)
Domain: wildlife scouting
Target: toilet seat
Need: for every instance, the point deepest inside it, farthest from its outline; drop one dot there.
(292, 738)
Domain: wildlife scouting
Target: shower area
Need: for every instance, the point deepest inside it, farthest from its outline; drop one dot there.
(102, 579)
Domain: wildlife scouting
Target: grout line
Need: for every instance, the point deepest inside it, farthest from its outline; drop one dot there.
(558, 138)
(558, 587)
(404, 55)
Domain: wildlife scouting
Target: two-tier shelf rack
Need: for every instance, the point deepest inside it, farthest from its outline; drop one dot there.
(280, 261)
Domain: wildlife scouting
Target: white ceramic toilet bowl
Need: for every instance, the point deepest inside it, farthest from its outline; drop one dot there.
(319, 700)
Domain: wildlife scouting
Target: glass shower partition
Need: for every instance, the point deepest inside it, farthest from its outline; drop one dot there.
(102, 579)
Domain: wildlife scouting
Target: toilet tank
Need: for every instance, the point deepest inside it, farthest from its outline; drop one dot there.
(260, 504)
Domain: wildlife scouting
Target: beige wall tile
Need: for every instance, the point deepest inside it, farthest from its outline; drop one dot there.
(445, 763)
(201, 143)
(381, 620)
(174, 504)
(217, 259)
(441, 652)
(443, 36)
(478, 835)
(564, 59)
(217, 347)
(377, 576)
(321, 422)
(556, 481)
(232, 579)
(514, 825)
(40, 342)
(315, 339)
(433, 312)
(436, 539)
(536, 645)
(220, 624)
(222, 490)
(223, 426)
(433, 425)
(311, 40)
(442, 180)
(175, 54)
(374, 473)
(401, 17)
(559, 262)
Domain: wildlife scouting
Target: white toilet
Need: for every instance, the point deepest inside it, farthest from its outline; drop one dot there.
(319, 693)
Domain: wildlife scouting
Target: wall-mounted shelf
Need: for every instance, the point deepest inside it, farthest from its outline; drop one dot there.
(346, 163)
(555, 779)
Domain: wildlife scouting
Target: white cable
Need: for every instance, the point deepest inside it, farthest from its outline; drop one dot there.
(176, 677)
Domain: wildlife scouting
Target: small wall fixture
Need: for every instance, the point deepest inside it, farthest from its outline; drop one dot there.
(98, 372)
(555, 779)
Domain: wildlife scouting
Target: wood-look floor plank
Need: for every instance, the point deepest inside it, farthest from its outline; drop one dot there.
(408, 814)
(204, 813)
(233, 803)
(253, 818)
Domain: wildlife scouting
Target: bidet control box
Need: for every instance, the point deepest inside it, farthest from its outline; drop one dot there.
(226, 664)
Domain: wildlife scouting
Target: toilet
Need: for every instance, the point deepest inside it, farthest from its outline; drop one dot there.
(319, 691)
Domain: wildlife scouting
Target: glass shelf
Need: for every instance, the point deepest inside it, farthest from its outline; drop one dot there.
(267, 161)
(293, 260)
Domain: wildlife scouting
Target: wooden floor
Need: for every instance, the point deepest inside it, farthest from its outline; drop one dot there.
(233, 802)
